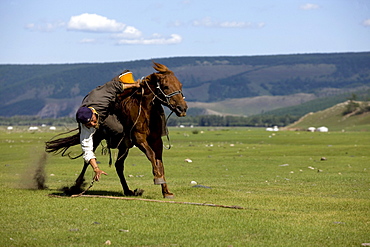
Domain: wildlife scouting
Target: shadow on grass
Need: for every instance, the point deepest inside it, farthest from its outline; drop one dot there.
(91, 192)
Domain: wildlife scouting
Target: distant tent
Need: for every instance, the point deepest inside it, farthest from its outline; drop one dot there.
(322, 129)
(272, 129)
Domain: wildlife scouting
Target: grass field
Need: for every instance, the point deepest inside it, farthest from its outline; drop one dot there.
(297, 188)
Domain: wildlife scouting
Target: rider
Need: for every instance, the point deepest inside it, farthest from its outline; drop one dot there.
(94, 111)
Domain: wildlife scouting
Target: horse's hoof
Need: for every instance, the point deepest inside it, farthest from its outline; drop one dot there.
(137, 192)
(159, 181)
(75, 189)
(169, 196)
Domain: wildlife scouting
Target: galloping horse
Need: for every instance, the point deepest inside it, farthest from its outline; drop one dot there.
(142, 117)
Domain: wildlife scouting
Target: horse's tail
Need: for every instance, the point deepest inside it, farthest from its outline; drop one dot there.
(61, 145)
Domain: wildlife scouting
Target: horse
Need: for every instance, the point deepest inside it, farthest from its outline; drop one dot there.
(142, 117)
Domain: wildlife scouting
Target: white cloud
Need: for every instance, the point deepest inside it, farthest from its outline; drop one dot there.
(208, 22)
(230, 24)
(234, 24)
(129, 33)
(176, 24)
(87, 41)
(261, 24)
(156, 39)
(123, 34)
(205, 22)
(30, 26)
(309, 6)
(94, 23)
(366, 23)
(45, 27)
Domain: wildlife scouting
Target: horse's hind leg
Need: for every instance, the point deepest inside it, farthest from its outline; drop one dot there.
(122, 154)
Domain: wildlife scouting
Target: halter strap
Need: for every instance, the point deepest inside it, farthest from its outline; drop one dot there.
(167, 96)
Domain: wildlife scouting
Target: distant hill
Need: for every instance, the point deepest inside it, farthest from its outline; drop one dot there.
(318, 104)
(255, 105)
(243, 85)
(349, 115)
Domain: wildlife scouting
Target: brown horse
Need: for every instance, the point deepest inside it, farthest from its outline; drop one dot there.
(142, 116)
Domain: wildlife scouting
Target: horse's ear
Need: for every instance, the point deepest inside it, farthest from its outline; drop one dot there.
(161, 68)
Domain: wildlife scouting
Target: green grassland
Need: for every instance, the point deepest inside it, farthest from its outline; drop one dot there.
(297, 189)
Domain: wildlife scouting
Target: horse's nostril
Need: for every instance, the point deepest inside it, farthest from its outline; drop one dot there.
(180, 108)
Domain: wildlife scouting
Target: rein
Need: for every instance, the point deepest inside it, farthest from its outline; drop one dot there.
(168, 137)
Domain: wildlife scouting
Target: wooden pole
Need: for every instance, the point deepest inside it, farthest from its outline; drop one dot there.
(174, 202)
(152, 200)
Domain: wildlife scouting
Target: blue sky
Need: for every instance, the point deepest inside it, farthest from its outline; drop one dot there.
(73, 31)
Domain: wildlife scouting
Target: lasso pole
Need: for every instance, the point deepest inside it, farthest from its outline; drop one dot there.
(173, 202)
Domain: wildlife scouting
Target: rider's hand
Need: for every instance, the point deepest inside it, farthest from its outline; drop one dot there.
(140, 82)
(98, 174)
(131, 85)
(137, 83)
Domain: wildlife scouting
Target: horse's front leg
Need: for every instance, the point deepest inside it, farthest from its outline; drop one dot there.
(165, 192)
(157, 145)
(155, 157)
(157, 169)
(122, 155)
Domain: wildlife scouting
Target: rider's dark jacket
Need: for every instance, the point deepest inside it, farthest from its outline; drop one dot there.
(102, 100)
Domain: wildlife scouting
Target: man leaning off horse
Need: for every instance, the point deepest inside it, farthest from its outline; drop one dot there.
(96, 110)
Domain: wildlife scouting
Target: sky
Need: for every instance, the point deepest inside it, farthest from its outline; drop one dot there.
(74, 31)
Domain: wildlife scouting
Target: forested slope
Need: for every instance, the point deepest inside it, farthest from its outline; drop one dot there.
(56, 90)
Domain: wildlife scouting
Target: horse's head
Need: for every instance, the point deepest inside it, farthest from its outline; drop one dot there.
(169, 90)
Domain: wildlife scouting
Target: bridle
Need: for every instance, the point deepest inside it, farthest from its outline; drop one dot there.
(166, 96)
(166, 103)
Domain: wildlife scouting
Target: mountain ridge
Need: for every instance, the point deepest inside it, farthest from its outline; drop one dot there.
(55, 90)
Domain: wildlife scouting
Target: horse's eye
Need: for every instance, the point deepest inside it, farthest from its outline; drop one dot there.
(165, 88)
